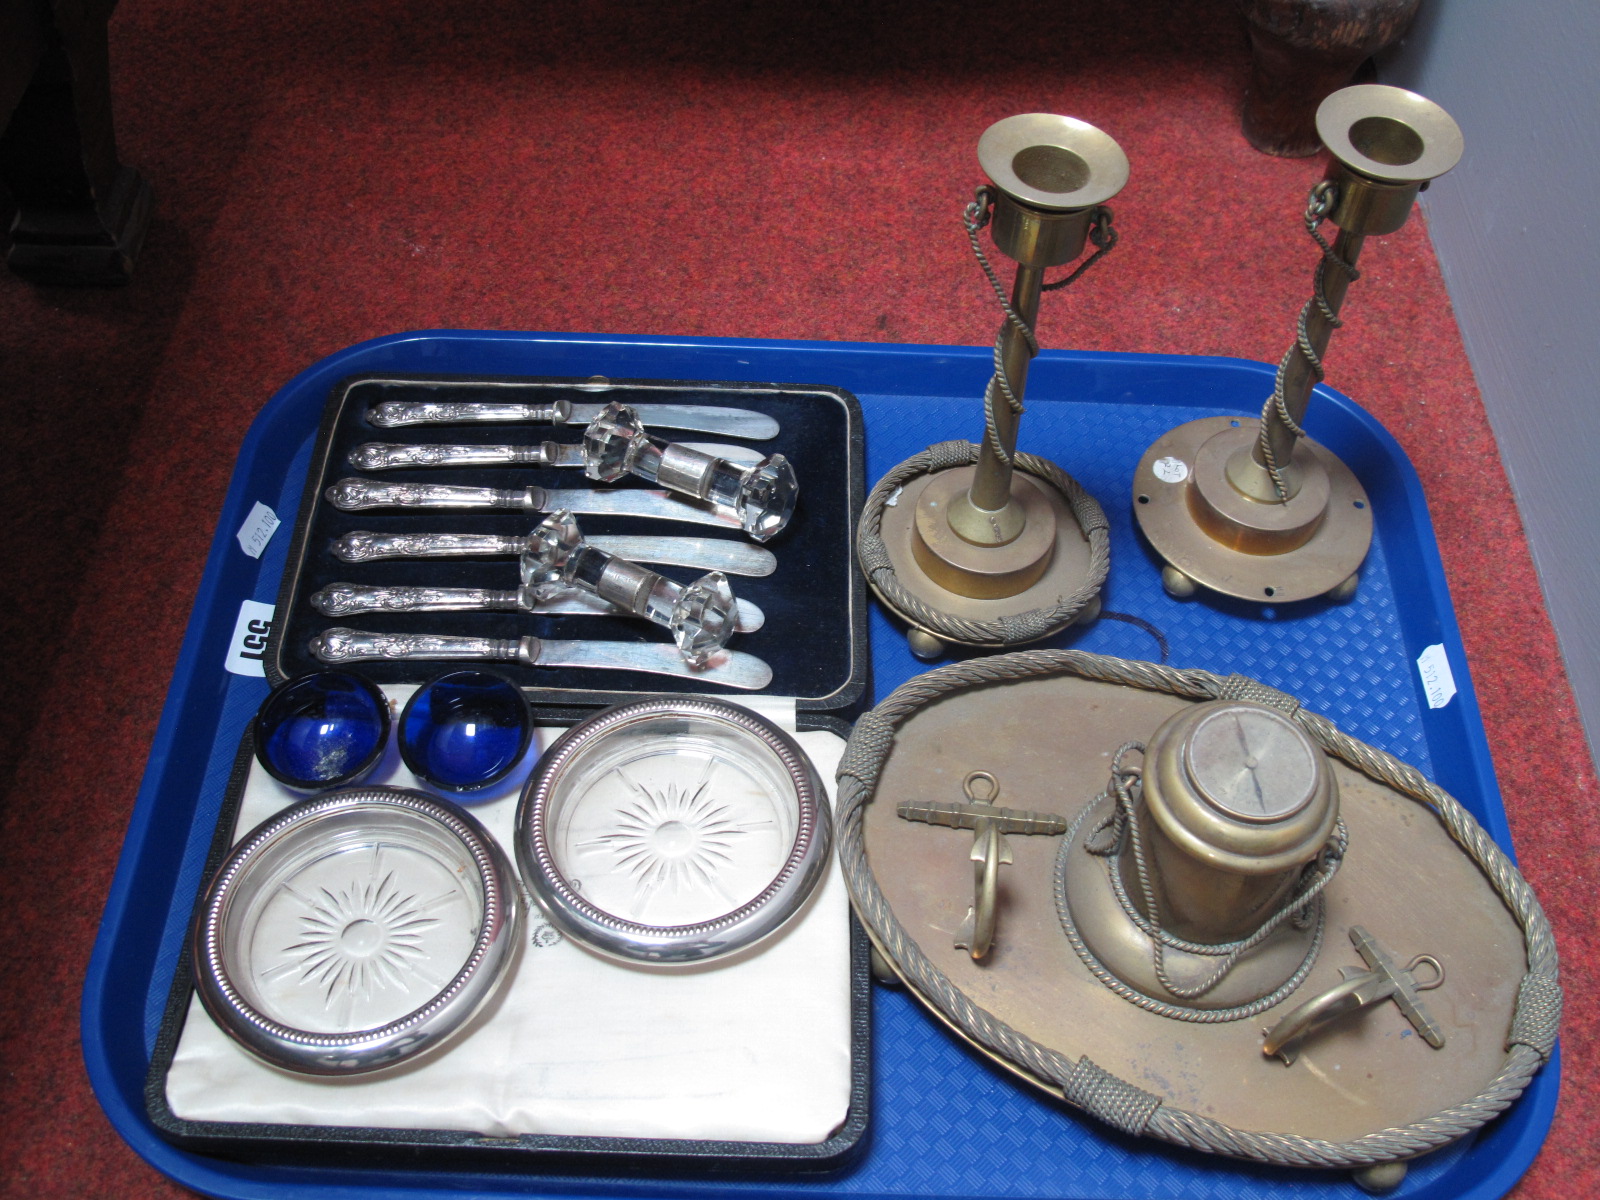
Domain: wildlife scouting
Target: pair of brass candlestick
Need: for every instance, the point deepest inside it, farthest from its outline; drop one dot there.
(980, 544)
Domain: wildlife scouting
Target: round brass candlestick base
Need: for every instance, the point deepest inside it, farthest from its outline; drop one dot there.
(998, 567)
(987, 568)
(951, 591)
(1212, 535)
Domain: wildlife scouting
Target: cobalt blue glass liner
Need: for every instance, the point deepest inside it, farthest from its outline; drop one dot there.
(464, 731)
(324, 729)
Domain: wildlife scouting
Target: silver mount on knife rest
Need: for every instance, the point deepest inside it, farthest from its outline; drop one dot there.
(704, 554)
(762, 495)
(730, 668)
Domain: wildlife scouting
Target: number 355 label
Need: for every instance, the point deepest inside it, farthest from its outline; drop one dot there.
(247, 652)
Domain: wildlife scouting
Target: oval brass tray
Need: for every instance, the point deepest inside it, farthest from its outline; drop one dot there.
(1420, 875)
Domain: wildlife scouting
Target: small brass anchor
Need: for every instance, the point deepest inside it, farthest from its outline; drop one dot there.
(990, 850)
(1361, 989)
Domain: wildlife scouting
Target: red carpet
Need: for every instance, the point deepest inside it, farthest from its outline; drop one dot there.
(327, 173)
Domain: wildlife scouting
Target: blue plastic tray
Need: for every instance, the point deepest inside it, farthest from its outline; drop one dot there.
(944, 1123)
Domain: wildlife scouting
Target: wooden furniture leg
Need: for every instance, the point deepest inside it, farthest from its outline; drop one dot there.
(81, 214)
(1301, 51)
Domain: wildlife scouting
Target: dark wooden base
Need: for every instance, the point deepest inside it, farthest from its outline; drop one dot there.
(1302, 50)
(92, 245)
(81, 214)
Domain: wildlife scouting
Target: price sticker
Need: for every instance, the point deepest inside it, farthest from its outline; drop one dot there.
(257, 530)
(1438, 683)
(1171, 470)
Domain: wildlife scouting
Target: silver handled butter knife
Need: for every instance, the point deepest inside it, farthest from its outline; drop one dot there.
(358, 495)
(700, 418)
(706, 554)
(731, 668)
(389, 456)
(349, 599)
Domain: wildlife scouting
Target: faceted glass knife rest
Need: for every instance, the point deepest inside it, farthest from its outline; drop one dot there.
(763, 495)
(700, 615)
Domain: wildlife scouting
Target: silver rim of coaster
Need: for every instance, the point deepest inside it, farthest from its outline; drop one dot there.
(1011, 630)
(368, 937)
(1082, 1083)
(583, 758)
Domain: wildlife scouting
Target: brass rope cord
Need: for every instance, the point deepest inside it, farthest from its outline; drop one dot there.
(1083, 1084)
(1321, 202)
(1102, 233)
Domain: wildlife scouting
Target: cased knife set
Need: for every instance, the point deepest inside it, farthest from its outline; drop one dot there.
(798, 584)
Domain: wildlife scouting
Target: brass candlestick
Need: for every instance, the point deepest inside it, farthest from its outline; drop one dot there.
(957, 541)
(1254, 508)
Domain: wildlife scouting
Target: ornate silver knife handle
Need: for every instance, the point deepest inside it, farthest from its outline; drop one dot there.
(386, 456)
(706, 554)
(362, 546)
(345, 599)
(354, 495)
(704, 418)
(392, 413)
(353, 645)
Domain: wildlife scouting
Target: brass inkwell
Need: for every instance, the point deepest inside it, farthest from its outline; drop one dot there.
(1255, 509)
(976, 543)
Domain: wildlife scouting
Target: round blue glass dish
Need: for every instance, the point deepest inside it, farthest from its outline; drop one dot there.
(464, 731)
(326, 729)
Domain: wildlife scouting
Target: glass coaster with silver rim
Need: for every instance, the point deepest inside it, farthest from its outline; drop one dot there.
(355, 930)
(673, 831)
